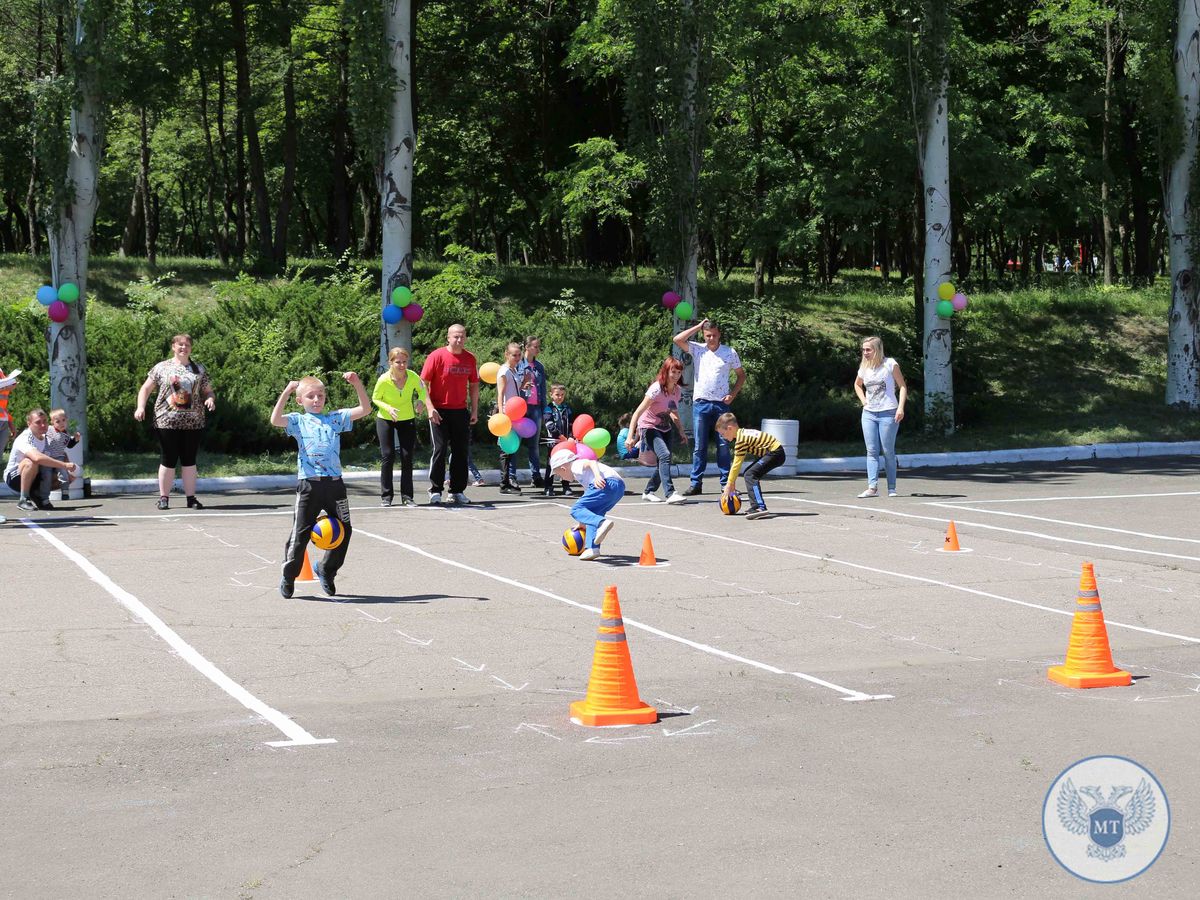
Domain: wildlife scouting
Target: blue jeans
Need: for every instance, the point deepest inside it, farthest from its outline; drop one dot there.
(589, 510)
(659, 442)
(704, 417)
(534, 414)
(879, 431)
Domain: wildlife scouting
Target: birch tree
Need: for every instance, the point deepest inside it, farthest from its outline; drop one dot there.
(931, 112)
(1181, 215)
(396, 172)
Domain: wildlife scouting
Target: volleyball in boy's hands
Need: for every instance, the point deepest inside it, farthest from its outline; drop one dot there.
(327, 533)
(730, 504)
(573, 540)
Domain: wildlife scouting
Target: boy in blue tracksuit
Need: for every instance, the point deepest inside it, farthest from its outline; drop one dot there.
(604, 490)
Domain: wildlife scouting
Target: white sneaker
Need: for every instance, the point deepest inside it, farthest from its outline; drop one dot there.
(677, 497)
(602, 531)
(868, 493)
(435, 499)
(461, 498)
(893, 494)
(651, 498)
(589, 553)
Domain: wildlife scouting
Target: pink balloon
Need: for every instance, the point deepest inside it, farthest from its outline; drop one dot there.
(671, 299)
(413, 312)
(526, 428)
(58, 311)
(583, 451)
(959, 302)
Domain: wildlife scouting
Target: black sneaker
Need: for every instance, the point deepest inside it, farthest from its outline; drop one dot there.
(327, 584)
(507, 488)
(385, 502)
(537, 483)
(44, 505)
(193, 503)
(26, 504)
(286, 588)
(693, 490)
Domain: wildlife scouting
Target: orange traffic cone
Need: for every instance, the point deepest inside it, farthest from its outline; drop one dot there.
(647, 557)
(1089, 660)
(612, 696)
(950, 545)
(306, 572)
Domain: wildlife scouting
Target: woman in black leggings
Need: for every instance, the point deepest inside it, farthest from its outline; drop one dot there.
(184, 393)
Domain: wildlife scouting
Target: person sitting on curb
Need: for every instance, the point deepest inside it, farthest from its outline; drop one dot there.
(30, 469)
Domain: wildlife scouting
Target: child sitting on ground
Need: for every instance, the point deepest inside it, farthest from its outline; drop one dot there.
(320, 487)
(626, 452)
(59, 440)
(604, 488)
(747, 442)
(556, 419)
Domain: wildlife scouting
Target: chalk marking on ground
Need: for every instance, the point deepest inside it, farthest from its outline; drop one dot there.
(297, 736)
(537, 729)
(851, 694)
(961, 522)
(690, 730)
(1092, 497)
(833, 560)
(996, 512)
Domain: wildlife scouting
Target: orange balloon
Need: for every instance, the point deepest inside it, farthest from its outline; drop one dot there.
(499, 424)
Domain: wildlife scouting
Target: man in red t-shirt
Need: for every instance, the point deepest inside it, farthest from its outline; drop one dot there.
(448, 373)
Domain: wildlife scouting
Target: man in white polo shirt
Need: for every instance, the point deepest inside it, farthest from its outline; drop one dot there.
(712, 394)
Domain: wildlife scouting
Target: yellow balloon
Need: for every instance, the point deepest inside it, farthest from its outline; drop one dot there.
(945, 291)
(499, 424)
(489, 371)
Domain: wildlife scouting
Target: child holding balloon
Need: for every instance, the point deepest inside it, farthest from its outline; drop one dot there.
(604, 489)
(320, 487)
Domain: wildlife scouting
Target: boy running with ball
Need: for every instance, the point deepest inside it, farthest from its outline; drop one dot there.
(604, 488)
(320, 487)
(749, 442)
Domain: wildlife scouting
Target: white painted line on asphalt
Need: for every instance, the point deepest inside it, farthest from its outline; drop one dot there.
(1091, 497)
(297, 736)
(904, 575)
(996, 512)
(850, 693)
(883, 510)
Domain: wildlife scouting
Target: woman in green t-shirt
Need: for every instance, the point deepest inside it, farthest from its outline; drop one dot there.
(399, 394)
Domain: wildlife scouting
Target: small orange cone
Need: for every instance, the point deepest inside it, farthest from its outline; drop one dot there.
(1089, 660)
(950, 545)
(647, 558)
(306, 572)
(612, 696)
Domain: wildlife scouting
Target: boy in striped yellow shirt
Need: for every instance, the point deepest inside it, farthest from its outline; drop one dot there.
(747, 442)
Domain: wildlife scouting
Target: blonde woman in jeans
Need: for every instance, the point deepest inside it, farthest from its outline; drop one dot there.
(878, 378)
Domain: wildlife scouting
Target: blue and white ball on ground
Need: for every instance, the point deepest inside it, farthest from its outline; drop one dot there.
(574, 540)
(328, 533)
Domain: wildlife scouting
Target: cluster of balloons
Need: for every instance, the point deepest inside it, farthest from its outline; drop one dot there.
(589, 442)
(57, 301)
(511, 426)
(678, 305)
(402, 306)
(950, 301)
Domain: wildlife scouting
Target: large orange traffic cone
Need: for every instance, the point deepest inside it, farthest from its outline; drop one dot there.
(612, 696)
(1089, 660)
(950, 544)
(306, 572)
(647, 557)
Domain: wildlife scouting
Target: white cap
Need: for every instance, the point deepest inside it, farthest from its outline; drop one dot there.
(562, 458)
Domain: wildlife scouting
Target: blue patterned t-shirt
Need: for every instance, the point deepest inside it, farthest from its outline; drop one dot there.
(319, 442)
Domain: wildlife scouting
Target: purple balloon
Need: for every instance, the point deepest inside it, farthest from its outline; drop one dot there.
(526, 428)
(959, 302)
(413, 312)
(392, 314)
(59, 311)
(671, 299)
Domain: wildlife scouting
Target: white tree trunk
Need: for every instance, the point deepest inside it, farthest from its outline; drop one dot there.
(1183, 337)
(70, 233)
(935, 174)
(396, 173)
(686, 283)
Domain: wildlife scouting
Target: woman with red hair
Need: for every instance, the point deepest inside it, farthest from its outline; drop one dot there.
(652, 424)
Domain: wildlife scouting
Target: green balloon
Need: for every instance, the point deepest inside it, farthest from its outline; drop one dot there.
(945, 309)
(68, 293)
(683, 310)
(510, 442)
(401, 295)
(597, 438)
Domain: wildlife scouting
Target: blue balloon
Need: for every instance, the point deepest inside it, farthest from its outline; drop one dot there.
(392, 314)
(46, 295)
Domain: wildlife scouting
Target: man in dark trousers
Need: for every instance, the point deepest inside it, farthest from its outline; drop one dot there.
(450, 373)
